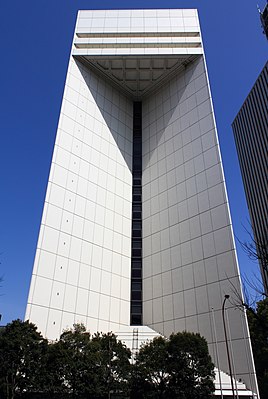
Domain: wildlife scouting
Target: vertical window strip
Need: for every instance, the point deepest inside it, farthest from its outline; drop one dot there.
(136, 247)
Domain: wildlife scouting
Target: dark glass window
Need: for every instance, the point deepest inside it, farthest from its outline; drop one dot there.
(136, 215)
(136, 207)
(136, 320)
(136, 273)
(136, 233)
(136, 295)
(136, 225)
(136, 308)
(136, 181)
(136, 243)
(136, 253)
(136, 190)
(136, 285)
(137, 198)
(136, 264)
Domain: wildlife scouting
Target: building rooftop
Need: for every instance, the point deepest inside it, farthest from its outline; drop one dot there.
(159, 42)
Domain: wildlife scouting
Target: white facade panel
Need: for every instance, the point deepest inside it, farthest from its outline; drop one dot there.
(191, 278)
(83, 232)
(82, 270)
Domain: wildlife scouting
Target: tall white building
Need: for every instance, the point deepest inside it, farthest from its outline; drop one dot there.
(136, 227)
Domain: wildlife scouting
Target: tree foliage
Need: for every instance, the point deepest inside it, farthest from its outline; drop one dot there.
(178, 367)
(150, 376)
(21, 351)
(255, 302)
(258, 325)
(85, 366)
(113, 364)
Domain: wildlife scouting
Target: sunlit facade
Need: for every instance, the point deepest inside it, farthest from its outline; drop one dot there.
(136, 228)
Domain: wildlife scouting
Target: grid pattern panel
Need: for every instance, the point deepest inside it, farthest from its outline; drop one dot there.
(82, 266)
(145, 21)
(189, 262)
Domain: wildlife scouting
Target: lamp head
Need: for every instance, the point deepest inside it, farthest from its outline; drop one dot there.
(226, 296)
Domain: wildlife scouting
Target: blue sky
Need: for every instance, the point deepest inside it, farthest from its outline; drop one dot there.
(36, 39)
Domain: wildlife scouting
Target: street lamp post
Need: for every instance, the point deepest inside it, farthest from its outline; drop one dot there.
(227, 346)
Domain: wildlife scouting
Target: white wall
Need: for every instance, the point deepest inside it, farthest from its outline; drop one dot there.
(189, 261)
(82, 266)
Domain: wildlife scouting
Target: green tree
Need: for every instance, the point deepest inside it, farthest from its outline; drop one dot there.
(75, 358)
(178, 367)
(113, 365)
(21, 349)
(150, 374)
(52, 378)
(258, 326)
(87, 366)
(192, 376)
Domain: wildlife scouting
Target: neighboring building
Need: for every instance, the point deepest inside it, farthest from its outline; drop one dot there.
(136, 228)
(251, 136)
(264, 20)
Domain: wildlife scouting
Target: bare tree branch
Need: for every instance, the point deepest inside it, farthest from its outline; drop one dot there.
(257, 251)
